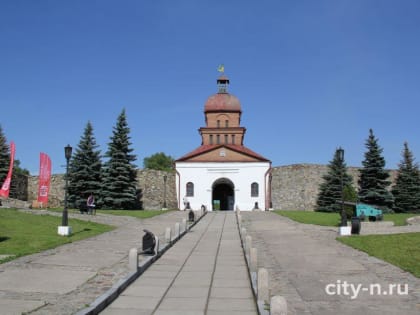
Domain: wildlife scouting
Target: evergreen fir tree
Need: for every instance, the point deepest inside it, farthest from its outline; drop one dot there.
(4, 156)
(119, 172)
(373, 181)
(407, 185)
(85, 169)
(330, 189)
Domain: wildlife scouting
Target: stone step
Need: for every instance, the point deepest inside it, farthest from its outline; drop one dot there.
(377, 224)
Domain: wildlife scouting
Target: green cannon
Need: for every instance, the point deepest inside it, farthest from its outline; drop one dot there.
(362, 211)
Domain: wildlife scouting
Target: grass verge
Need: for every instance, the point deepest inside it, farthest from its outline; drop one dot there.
(140, 214)
(23, 233)
(401, 250)
(333, 219)
(311, 217)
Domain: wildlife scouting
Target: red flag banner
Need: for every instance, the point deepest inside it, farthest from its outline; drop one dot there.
(5, 188)
(44, 178)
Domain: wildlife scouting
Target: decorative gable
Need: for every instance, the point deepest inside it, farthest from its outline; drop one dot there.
(222, 153)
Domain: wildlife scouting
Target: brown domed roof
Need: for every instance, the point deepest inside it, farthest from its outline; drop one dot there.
(222, 102)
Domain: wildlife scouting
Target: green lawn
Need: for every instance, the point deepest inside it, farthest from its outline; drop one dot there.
(311, 217)
(401, 250)
(333, 219)
(23, 233)
(140, 214)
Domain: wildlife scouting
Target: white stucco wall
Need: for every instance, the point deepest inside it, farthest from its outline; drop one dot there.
(204, 175)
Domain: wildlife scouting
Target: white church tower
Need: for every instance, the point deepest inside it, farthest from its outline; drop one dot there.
(223, 174)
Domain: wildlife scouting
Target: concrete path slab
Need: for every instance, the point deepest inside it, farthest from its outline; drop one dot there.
(304, 260)
(54, 280)
(66, 279)
(211, 279)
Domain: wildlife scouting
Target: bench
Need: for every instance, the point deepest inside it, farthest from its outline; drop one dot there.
(83, 208)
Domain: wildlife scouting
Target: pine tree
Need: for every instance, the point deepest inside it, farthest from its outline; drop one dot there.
(373, 181)
(330, 189)
(407, 185)
(4, 157)
(119, 172)
(85, 169)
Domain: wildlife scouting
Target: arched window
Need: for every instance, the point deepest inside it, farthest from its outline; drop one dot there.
(254, 190)
(190, 189)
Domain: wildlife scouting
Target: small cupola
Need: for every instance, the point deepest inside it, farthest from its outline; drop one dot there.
(222, 83)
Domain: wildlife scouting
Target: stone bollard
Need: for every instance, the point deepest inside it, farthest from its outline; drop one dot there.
(176, 230)
(243, 234)
(253, 262)
(133, 259)
(184, 225)
(278, 305)
(248, 245)
(262, 285)
(156, 245)
(168, 235)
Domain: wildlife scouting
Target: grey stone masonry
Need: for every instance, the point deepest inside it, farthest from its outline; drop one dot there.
(150, 182)
(294, 187)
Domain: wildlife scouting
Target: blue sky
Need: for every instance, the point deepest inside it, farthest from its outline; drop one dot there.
(310, 75)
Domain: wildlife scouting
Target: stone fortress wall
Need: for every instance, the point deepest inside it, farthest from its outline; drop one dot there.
(294, 187)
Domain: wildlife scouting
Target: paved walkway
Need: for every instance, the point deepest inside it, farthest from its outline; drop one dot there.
(68, 278)
(302, 260)
(204, 273)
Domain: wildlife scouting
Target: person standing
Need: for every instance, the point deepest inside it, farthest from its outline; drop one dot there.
(90, 202)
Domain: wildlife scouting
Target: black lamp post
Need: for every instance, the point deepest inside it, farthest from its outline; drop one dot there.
(67, 154)
(340, 152)
(165, 177)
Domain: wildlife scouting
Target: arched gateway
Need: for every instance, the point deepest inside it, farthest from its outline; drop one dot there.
(223, 174)
(223, 196)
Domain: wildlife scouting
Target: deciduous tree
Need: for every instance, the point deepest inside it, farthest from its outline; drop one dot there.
(159, 161)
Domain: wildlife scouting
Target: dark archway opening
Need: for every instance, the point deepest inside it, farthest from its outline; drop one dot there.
(223, 195)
